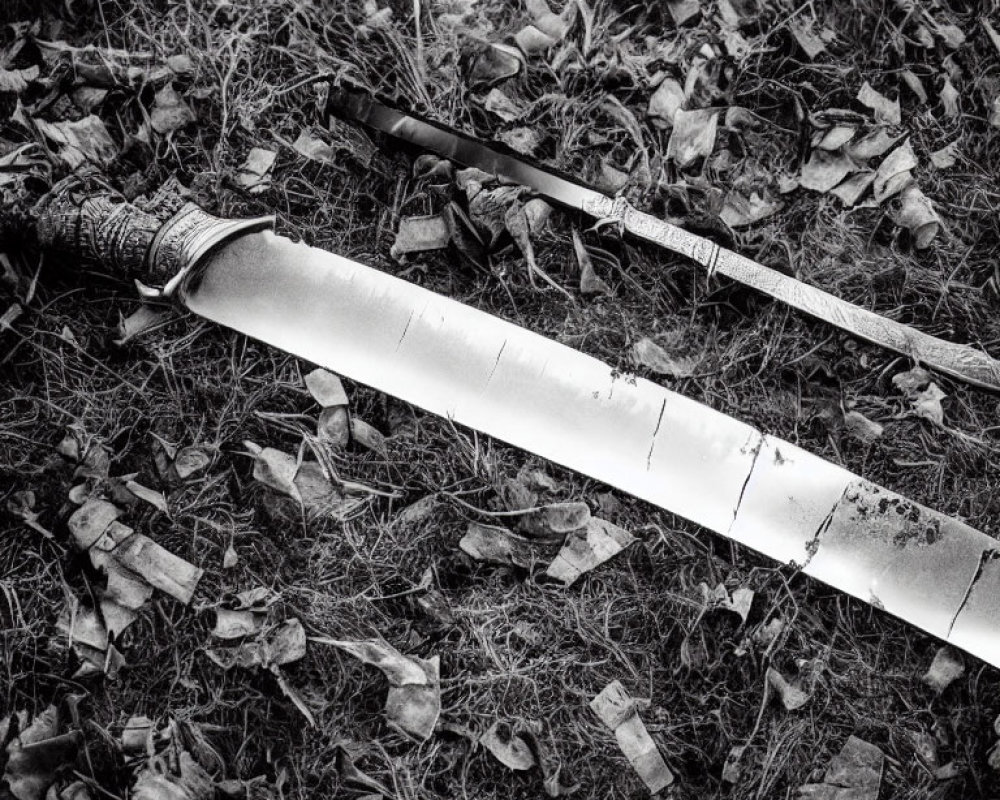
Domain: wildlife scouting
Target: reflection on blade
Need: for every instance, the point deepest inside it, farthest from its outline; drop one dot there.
(558, 403)
(958, 360)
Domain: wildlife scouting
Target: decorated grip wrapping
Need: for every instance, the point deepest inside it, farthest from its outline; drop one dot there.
(98, 228)
(158, 242)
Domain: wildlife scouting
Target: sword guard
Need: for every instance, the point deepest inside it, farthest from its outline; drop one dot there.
(182, 244)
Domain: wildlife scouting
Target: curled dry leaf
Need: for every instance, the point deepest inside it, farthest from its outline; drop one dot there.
(525, 141)
(893, 174)
(419, 234)
(812, 39)
(947, 667)
(617, 710)
(34, 758)
(187, 781)
(161, 568)
(151, 496)
(138, 731)
(588, 548)
(683, 10)
(413, 704)
(509, 748)
(649, 354)
(496, 545)
(740, 602)
(851, 190)
(275, 469)
(949, 99)
(916, 214)
(273, 647)
(326, 388)
(792, 697)
(495, 63)
(554, 519)
(824, 170)
(89, 522)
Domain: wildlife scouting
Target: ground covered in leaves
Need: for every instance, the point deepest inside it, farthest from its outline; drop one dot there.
(310, 529)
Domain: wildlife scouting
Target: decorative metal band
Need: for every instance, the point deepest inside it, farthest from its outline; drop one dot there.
(185, 240)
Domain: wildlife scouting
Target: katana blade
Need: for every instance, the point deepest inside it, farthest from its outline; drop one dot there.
(548, 399)
(960, 361)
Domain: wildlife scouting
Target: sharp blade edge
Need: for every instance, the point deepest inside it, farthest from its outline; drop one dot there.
(680, 455)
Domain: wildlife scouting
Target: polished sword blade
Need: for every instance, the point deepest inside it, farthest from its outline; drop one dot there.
(510, 383)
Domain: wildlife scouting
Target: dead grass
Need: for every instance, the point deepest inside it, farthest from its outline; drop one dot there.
(517, 648)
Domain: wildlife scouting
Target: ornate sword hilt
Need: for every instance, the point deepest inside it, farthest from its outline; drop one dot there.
(158, 245)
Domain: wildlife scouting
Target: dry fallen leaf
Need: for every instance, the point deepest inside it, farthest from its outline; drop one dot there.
(503, 106)
(34, 758)
(169, 112)
(275, 468)
(813, 43)
(649, 354)
(509, 748)
(367, 436)
(792, 697)
(151, 496)
(885, 110)
(739, 211)
(590, 283)
(495, 63)
(862, 428)
(334, 426)
(81, 141)
(554, 519)
(253, 174)
(893, 174)
(916, 213)
(947, 667)
(533, 41)
(949, 99)
(854, 773)
(496, 545)
(665, 102)
(554, 25)
(683, 10)
(588, 548)
(236, 623)
(311, 145)
(740, 602)
(419, 234)
(617, 710)
(326, 388)
(946, 156)
(824, 170)
(413, 703)
(190, 461)
(523, 140)
(693, 135)
(89, 522)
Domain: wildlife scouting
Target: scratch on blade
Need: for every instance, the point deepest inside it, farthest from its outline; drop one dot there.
(656, 430)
